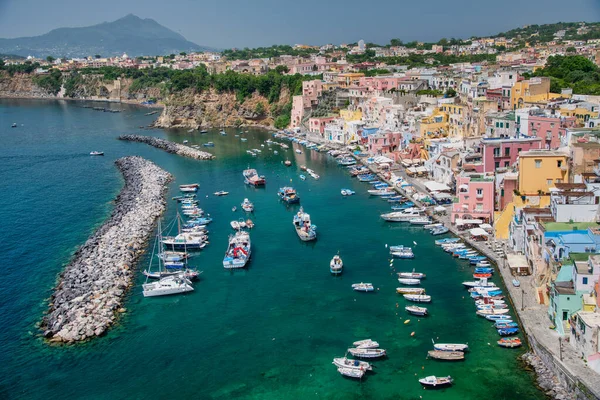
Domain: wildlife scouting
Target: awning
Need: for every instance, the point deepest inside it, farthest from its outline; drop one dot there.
(478, 232)
(463, 186)
(460, 221)
(487, 227)
(439, 208)
(442, 196)
(434, 186)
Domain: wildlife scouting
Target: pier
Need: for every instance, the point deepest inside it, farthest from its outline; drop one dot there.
(169, 147)
(90, 290)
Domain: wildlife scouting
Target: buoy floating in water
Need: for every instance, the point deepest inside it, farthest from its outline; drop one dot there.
(407, 321)
(412, 334)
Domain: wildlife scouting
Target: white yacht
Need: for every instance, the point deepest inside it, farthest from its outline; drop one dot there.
(166, 286)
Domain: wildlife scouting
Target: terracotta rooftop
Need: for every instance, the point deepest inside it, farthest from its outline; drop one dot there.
(570, 186)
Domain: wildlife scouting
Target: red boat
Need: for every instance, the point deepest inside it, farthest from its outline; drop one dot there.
(482, 275)
(251, 177)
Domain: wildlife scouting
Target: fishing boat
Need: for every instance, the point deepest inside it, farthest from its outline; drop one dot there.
(418, 298)
(367, 353)
(221, 193)
(14, 125)
(238, 251)
(439, 230)
(509, 342)
(413, 274)
(192, 187)
(482, 275)
(93, 153)
(419, 221)
(288, 194)
(409, 281)
(208, 144)
(344, 362)
(252, 178)
(351, 372)
(304, 228)
(237, 225)
(363, 287)
(287, 163)
(406, 253)
(508, 331)
(247, 205)
(504, 325)
(485, 313)
(450, 346)
(347, 192)
(435, 382)
(498, 317)
(484, 270)
(166, 286)
(302, 177)
(336, 265)
(447, 241)
(173, 256)
(366, 344)
(446, 355)
(302, 167)
(415, 310)
(381, 192)
(409, 290)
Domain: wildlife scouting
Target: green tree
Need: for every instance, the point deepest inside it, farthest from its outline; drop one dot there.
(259, 109)
(97, 56)
(450, 93)
(50, 59)
(571, 50)
(282, 69)
(183, 53)
(396, 42)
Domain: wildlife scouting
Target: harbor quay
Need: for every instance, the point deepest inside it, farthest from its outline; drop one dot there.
(90, 290)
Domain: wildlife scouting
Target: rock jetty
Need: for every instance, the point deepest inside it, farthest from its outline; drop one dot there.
(90, 289)
(546, 379)
(169, 147)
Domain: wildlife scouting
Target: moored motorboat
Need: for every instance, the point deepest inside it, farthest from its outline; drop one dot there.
(409, 281)
(446, 355)
(439, 230)
(344, 362)
(336, 265)
(405, 253)
(447, 241)
(304, 228)
(415, 310)
(93, 153)
(167, 286)
(192, 187)
(508, 331)
(238, 251)
(367, 353)
(221, 193)
(287, 163)
(252, 178)
(247, 205)
(347, 192)
(418, 298)
(366, 344)
(410, 290)
(288, 194)
(486, 313)
(435, 382)
(363, 287)
(451, 346)
(351, 372)
(413, 274)
(509, 342)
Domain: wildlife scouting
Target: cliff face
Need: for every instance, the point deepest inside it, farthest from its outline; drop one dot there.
(211, 109)
(20, 85)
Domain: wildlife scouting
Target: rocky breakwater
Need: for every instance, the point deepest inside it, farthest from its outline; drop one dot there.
(90, 290)
(169, 147)
(546, 380)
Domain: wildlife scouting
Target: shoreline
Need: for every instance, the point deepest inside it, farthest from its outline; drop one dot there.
(169, 147)
(128, 102)
(90, 290)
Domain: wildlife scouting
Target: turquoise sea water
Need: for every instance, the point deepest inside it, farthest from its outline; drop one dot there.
(267, 332)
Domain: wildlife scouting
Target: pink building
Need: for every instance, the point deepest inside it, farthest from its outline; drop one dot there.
(475, 194)
(381, 83)
(503, 153)
(302, 69)
(549, 129)
(298, 107)
(311, 90)
(317, 125)
(384, 143)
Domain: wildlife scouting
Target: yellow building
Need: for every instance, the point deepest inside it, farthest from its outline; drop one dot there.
(539, 170)
(434, 126)
(349, 79)
(582, 114)
(349, 115)
(456, 116)
(530, 92)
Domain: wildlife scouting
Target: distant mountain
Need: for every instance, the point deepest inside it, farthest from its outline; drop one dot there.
(130, 34)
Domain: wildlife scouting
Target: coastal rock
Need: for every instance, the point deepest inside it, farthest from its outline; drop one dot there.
(92, 286)
(546, 380)
(169, 147)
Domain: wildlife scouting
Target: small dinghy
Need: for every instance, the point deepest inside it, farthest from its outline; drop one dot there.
(363, 287)
(366, 344)
(508, 331)
(435, 382)
(221, 193)
(347, 192)
(367, 353)
(450, 346)
(95, 153)
(446, 355)
(415, 310)
(413, 275)
(505, 325)
(336, 265)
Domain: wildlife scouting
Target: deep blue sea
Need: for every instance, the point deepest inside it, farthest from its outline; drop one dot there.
(267, 332)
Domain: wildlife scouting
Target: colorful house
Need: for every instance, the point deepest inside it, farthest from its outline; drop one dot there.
(435, 125)
(503, 153)
(564, 301)
(583, 336)
(539, 170)
(317, 125)
(475, 193)
(531, 92)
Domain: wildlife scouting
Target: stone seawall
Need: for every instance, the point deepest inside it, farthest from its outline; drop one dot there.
(169, 147)
(91, 288)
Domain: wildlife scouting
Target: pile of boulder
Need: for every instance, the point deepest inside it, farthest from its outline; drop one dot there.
(90, 290)
(169, 147)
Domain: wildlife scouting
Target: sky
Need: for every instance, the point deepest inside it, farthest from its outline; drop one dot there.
(252, 23)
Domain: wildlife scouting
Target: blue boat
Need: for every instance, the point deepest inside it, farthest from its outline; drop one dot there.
(199, 221)
(475, 260)
(508, 331)
(505, 320)
(366, 178)
(504, 325)
(446, 240)
(302, 177)
(381, 186)
(347, 192)
(288, 195)
(495, 317)
(481, 270)
(404, 206)
(209, 144)
(374, 182)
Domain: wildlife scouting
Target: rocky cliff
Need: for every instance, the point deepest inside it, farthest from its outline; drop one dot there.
(211, 109)
(21, 85)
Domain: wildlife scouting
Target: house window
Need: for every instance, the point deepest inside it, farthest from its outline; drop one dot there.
(507, 151)
(585, 280)
(559, 163)
(479, 207)
(497, 152)
(501, 124)
(549, 182)
(559, 181)
(497, 124)
(507, 125)
(497, 164)
(538, 163)
(518, 150)
(506, 163)
(479, 192)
